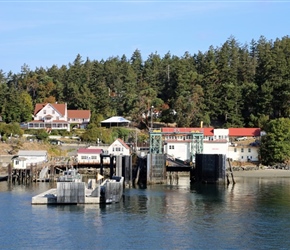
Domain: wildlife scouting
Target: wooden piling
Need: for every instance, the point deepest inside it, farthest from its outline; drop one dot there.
(231, 171)
(9, 172)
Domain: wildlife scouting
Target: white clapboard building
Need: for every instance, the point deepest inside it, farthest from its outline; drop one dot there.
(27, 158)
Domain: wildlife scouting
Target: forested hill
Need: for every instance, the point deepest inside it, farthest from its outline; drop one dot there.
(234, 85)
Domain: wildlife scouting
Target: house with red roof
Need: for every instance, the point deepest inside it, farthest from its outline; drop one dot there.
(89, 156)
(177, 142)
(119, 147)
(51, 116)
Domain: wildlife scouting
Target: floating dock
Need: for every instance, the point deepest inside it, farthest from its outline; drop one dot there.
(110, 191)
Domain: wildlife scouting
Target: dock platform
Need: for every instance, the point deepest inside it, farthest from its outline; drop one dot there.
(110, 191)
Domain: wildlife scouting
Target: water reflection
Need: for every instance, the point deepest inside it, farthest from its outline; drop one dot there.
(252, 214)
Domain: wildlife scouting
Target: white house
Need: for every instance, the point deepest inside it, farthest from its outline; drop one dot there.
(243, 153)
(27, 158)
(89, 155)
(119, 147)
(56, 116)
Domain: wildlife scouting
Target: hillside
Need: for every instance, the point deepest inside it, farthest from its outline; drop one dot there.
(12, 148)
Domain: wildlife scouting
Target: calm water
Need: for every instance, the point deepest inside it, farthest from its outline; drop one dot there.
(253, 214)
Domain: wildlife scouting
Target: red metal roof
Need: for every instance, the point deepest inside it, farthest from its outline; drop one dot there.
(90, 151)
(210, 131)
(244, 131)
(83, 114)
(205, 131)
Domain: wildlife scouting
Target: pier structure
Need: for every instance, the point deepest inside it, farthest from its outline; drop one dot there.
(157, 162)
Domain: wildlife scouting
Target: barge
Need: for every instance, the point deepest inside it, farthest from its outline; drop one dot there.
(70, 192)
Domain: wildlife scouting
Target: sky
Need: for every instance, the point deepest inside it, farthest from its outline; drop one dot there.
(44, 33)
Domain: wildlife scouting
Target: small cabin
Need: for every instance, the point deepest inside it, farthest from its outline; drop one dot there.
(119, 147)
(26, 158)
(89, 155)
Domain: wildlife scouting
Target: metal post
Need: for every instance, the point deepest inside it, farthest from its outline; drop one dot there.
(152, 107)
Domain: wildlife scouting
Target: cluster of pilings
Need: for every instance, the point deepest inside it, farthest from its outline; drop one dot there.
(20, 175)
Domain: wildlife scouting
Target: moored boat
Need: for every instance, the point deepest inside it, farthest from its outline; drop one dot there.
(70, 175)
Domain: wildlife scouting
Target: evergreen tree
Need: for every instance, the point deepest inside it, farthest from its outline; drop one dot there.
(275, 145)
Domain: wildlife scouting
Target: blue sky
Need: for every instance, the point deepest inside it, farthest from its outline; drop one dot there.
(44, 33)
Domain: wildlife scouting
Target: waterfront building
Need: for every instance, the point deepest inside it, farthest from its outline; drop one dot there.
(119, 147)
(238, 144)
(89, 156)
(26, 158)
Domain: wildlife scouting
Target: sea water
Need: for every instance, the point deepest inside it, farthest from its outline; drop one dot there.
(252, 214)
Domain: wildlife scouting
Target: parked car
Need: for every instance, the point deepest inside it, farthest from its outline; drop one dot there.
(55, 142)
(241, 138)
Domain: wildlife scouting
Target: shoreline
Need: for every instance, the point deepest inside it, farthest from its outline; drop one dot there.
(263, 173)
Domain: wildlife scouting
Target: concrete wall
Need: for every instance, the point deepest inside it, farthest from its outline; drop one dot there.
(71, 192)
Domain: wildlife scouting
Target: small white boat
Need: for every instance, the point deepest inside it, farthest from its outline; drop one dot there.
(70, 175)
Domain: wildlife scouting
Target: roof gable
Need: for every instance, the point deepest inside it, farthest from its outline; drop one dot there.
(59, 107)
(116, 119)
(121, 142)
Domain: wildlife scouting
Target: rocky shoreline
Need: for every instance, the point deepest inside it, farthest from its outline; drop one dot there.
(263, 173)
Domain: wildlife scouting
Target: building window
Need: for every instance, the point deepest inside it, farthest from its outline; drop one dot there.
(242, 150)
(171, 146)
(83, 157)
(57, 118)
(249, 150)
(94, 157)
(235, 150)
(16, 162)
(242, 157)
(53, 112)
(44, 111)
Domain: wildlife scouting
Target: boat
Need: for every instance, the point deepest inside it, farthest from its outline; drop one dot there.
(4, 178)
(70, 175)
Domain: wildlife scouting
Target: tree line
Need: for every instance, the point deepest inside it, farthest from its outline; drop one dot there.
(233, 85)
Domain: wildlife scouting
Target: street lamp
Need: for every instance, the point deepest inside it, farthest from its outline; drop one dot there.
(152, 107)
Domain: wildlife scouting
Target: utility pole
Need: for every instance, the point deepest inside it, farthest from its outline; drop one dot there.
(152, 107)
